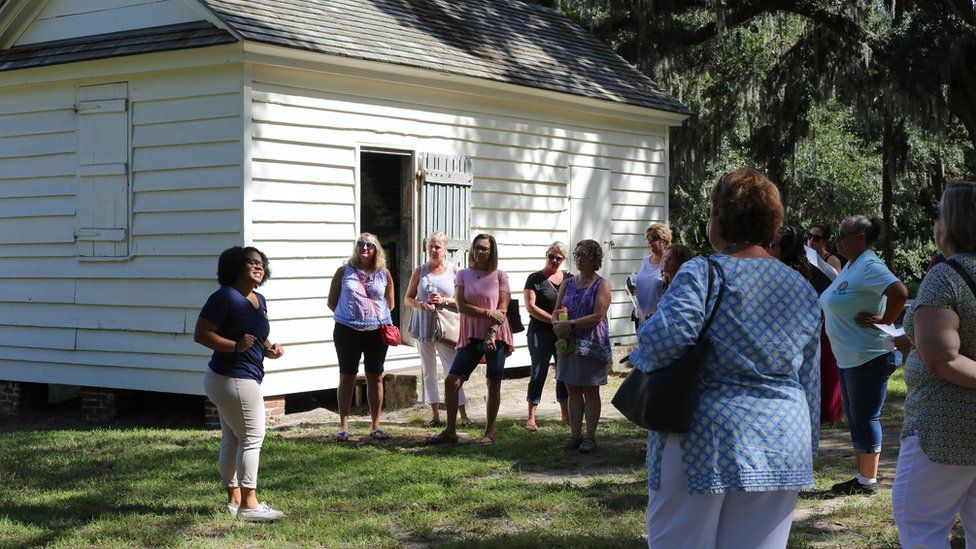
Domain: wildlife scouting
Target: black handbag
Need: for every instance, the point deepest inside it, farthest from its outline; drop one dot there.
(514, 319)
(664, 399)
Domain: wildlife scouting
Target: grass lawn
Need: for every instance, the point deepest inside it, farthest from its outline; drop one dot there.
(141, 487)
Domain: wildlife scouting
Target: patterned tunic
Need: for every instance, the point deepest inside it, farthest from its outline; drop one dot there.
(756, 425)
(941, 412)
(590, 342)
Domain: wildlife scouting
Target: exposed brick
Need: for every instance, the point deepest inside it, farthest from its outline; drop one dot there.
(99, 404)
(274, 406)
(17, 397)
(399, 391)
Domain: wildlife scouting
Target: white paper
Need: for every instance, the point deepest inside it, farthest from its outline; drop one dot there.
(891, 330)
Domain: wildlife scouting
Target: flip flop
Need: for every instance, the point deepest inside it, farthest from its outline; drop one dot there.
(433, 423)
(341, 436)
(531, 427)
(441, 438)
(487, 440)
(380, 434)
(466, 422)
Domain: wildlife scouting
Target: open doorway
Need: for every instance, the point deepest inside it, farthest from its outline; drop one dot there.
(386, 208)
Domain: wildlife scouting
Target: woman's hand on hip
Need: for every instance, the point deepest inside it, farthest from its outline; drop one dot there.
(867, 320)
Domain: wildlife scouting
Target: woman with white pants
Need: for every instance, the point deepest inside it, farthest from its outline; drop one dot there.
(431, 289)
(733, 479)
(935, 478)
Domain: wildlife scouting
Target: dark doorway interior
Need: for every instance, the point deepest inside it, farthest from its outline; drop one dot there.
(384, 211)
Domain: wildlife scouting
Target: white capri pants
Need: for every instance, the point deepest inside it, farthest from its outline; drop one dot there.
(240, 406)
(746, 520)
(428, 363)
(927, 496)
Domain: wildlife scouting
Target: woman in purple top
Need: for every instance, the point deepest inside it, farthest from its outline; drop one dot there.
(586, 297)
(361, 296)
(234, 324)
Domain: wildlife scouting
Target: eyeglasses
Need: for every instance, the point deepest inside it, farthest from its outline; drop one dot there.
(842, 234)
(365, 245)
(556, 258)
(580, 255)
(482, 249)
(815, 237)
(254, 262)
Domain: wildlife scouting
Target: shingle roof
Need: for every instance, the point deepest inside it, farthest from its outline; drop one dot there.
(501, 40)
(117, 44)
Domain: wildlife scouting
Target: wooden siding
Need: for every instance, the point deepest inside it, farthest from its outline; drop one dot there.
(306, 128)
(62, 19)
(125, 322)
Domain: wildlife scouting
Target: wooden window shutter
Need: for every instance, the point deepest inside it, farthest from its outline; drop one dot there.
(103, 170)
(447, 201)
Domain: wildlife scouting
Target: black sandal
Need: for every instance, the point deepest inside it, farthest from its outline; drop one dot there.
(572, 443)
(587, 445)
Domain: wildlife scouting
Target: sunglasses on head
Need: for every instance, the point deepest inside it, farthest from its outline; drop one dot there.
(367, 245)
(815, 237)
(255, 262)
(553, 257)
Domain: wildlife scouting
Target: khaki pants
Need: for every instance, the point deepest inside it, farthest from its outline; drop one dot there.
(428, 363)
(241, 407)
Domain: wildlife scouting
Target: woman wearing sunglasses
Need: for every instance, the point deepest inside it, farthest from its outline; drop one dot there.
(817, 239)
(361, 297)
(541, 290)
(482, 294)
(234, 324)
(649, 283)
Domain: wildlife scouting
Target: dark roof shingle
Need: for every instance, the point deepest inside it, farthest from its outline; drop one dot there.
(501, 40)
(170, 37)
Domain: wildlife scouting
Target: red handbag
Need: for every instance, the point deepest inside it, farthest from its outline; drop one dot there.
(389, 334)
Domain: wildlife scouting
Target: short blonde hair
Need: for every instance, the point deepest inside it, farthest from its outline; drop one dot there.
(436, 236)
(659, 230)
(957, 207)
(558, 246)
(380, 258)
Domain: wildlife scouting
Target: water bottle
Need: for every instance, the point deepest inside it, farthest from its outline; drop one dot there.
(431, 291)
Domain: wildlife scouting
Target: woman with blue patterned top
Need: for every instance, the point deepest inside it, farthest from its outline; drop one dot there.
(733, 479)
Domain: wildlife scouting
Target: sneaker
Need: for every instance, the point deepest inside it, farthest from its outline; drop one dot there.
(232, 509)
(261, 513)
(853, 487)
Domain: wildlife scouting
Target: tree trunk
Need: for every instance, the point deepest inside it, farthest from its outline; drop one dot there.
(962, 93)
(891, 145)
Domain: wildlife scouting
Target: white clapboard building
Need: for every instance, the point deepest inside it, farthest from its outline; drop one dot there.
(140, 138)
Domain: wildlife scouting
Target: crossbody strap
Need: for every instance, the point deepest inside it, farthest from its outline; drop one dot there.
(712, 264)
(369, 298)
(962, 272)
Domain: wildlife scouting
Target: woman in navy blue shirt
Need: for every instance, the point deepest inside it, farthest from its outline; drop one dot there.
(234, 324)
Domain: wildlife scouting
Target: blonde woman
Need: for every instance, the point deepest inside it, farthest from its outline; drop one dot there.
(432, 288)
(361, 297)
(650, 284)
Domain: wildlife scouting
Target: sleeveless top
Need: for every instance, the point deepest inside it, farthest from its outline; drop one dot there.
(423, 324)
(592, 342)
(354, 309)
(941, 412)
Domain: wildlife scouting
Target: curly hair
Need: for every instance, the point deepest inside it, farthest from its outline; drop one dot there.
(591, 249)
(379, 256)
(746, 207)
(233, 263)
(792, 251)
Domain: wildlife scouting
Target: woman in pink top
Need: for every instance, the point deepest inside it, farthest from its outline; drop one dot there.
(482, 295)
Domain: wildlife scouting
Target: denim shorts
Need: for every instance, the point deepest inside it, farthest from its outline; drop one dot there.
(469, 356)
(863, 389)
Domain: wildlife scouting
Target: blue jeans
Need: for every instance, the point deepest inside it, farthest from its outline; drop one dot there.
(863, 389)
(542, 349)
(468, 357)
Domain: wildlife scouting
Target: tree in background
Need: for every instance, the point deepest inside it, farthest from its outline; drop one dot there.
(850, 106)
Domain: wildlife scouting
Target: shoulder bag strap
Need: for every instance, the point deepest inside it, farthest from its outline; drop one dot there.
(712, 264)
(962, 272)
(369, 298)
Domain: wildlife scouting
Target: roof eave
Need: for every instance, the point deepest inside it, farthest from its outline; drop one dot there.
(271, 54)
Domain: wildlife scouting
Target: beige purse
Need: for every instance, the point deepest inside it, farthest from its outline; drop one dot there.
(448, 326)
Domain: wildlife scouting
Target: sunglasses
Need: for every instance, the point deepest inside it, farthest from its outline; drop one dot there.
(842, 234)
(254, 262)
(482, 249)
(815, 237)
(367, 245)
(557, 258)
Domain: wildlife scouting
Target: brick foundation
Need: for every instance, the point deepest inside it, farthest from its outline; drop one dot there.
(274, 406)
(17, 397)
(211, 419)
(399, 391)
(99, 404)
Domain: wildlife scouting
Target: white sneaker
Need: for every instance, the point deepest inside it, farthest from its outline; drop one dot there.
(232, 509)
(261, 513)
